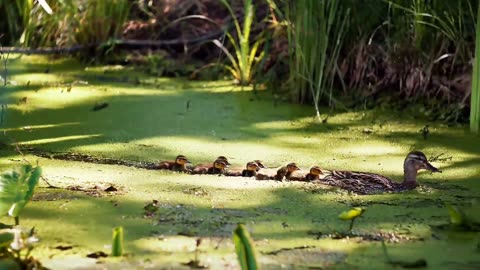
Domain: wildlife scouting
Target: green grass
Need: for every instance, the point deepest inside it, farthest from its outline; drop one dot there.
(147, 119)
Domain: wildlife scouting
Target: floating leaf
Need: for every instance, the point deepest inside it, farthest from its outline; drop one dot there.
(352, 213)
(457, 217)
(117, 245)
(244, 248)
(16, 189)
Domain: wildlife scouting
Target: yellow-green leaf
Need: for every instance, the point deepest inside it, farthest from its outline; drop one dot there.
(352, 213)
(456, 215)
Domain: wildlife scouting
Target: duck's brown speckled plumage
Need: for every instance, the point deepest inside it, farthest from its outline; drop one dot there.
(371, 183)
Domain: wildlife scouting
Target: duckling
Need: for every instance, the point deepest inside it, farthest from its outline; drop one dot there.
(314, 174)
(276, 174)
(251, 169)
(259, 164)
(369, 183)
(218, 167)
(285, 171)
(303, 175)
(180, 164)
(203, 168)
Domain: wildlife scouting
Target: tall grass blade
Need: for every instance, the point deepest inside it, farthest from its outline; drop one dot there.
(475, 102)
(244, 248)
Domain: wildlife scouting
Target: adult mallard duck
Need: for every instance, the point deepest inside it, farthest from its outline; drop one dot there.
(203, 168)
(179, 164)
(370, 183)
(276, 174)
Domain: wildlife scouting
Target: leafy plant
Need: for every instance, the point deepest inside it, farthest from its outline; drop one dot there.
(352, 215)
(246, 60)
(117, 242)
(244, 248)
(16, 189)
(15, 248)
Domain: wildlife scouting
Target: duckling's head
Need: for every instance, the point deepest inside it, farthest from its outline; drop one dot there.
(252, 166)
(224, 159)
(219, 164)
(315, 170)
(417, 160)
(181, 160)
(291, 167)
(259, 164)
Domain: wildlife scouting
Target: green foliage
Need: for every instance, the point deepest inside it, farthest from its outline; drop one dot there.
(77, 22)
(465, 219)
(117, 242)
(245, 58)
(16, 16)
(315, 40)
(244, 248)
(16, 189)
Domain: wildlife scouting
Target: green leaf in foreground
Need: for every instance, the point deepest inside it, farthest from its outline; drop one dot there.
(351, 215)
(457, 217)
(244, 248)
(466, 218)
(16, 189)
(117, 242)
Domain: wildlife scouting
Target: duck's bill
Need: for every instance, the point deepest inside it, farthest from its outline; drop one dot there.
(430, 167)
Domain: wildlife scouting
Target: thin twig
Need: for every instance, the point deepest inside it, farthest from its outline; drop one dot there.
(26, 160)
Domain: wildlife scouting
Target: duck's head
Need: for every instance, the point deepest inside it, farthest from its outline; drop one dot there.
(252, 166)
(219, 164)
(417, 160)
(315, 170)
(291, 167)
(224, 159)
(181, 160)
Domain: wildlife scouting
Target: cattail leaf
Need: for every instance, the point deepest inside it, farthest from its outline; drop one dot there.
(117, 242)
(244, 248)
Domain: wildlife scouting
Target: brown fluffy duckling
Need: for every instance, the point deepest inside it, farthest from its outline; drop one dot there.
(304, 175)
(251, 169)
(314, 174)
(370, 183)
(218, 167)
(285, 171)
(276, 174)
(179, 164)
(203, 168)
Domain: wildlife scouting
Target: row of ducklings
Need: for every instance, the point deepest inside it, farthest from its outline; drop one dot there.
(358, 182)
(220, 166)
